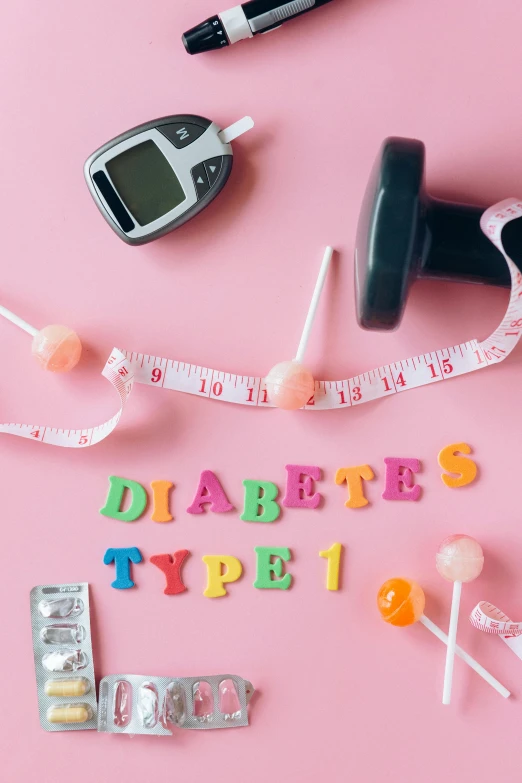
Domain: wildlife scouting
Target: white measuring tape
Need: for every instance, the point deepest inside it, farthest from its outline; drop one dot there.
(488, 618)
(124, 368)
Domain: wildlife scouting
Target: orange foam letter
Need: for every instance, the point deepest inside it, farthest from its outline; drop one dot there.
(464, 467)
(160, 494)
(354, 479)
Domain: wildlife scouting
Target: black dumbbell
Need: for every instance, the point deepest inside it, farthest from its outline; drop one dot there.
(404, 234)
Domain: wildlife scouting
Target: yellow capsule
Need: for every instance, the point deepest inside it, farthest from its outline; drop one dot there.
(76, 686)
(69, 713)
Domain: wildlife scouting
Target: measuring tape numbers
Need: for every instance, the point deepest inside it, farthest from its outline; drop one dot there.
(124, 368)
(486, 617)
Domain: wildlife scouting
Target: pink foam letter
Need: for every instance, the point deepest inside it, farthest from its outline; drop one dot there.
(210, 491)
(400, 471)
(300, 488)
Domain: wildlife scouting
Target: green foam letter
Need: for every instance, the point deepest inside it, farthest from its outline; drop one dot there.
(266, 567)
(138, 501)
(260, 494)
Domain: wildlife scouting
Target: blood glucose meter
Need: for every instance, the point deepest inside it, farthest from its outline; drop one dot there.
(153, 178)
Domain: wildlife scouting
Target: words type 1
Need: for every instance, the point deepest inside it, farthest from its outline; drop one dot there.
(260, 505)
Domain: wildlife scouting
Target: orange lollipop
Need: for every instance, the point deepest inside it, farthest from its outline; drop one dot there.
(401, 602)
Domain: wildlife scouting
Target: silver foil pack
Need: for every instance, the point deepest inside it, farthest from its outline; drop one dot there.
(63, 662)
(137, 704)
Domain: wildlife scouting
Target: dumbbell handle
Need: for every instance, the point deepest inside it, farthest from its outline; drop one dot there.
(456, 249)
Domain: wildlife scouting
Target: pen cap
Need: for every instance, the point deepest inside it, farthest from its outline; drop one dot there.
(205, 36)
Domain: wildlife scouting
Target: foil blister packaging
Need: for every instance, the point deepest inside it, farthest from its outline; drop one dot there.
(63, 661)
(136, 704)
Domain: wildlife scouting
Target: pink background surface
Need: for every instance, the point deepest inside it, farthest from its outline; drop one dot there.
(341, 695)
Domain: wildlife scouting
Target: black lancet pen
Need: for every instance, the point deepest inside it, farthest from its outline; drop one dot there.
(244, 21)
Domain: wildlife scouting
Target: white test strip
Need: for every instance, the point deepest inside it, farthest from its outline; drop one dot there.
(124, 368)
(236, 129)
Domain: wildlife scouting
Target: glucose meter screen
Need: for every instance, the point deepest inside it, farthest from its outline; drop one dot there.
(145, 181)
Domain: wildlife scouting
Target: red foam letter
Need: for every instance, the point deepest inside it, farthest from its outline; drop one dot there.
(171, 567)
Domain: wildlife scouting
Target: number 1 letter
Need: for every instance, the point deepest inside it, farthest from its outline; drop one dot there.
(333, 555)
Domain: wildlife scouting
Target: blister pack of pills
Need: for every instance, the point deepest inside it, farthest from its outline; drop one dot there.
(60, 618)
(135, 704)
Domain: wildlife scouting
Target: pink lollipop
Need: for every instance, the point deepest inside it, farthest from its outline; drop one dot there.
(289, 384)
(56, 348)
(459, 559)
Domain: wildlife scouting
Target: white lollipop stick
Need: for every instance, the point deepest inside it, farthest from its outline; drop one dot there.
(466, 657)
(452, 642)
(312, 310)
(459, 559)
(289, 384)
(15, 319)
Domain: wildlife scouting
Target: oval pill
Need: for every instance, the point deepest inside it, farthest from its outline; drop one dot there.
(70, 713)
(77, 686)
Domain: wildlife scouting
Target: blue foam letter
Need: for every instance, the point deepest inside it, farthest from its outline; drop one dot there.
(122, 557)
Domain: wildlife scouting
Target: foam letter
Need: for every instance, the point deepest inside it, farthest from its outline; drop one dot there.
(254, 500)
(216, 577)
(122, 558)
(394, 479)
(171, 567)
(448, 460)
(210, 491)
(160, 496)
(354, 478)
(113, 504)
(266, 567)
(333, 555)
(300, 487)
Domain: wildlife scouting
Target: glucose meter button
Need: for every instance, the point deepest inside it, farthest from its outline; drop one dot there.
(181, 134)
(201, 183)
(213, 167)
